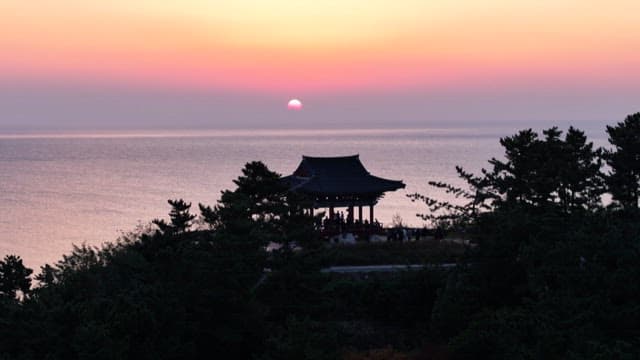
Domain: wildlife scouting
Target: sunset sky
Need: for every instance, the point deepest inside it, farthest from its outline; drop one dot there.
(354, 63)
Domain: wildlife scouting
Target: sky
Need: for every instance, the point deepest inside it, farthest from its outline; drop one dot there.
(196, 64)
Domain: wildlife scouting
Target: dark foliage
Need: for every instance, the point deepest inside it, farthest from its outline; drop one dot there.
(544, 278)
(624, 160)
(558, 172)
(14, 277)
(168, 292)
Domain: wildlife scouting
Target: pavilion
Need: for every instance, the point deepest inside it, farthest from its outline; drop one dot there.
(343, 181)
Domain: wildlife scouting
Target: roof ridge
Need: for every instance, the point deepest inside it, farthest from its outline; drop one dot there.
(357, 156)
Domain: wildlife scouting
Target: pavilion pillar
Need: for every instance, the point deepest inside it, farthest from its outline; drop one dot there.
(311, 211)
(331, 213)
(350, 216)
(360, 213)
(371, 214)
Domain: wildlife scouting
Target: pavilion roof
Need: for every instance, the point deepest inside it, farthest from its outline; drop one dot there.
(344, 175)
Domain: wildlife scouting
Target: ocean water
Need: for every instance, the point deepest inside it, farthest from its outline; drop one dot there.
(59, 190)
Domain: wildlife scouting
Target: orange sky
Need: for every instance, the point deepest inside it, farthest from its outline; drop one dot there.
(322, 46)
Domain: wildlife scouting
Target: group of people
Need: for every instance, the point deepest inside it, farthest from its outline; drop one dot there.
(340, 223)
(412, 234)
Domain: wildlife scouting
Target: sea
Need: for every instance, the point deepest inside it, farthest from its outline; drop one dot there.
(57, 190)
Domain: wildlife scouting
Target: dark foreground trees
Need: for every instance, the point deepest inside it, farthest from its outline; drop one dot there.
(551, 273)
(548, 171)
(624, 160)
(173, 291)
(14, 277)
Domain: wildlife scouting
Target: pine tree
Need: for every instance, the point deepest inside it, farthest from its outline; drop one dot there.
(524, 176)
(262, 207)
(179, 216)
(14, 277)
(549, 172)
(581, 181)
(624, 160)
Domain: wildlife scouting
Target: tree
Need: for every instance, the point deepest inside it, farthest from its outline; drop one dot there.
(515, 178)
(624, 178)
(550, 171)
(253, 210)
(14, 277)
(209, 216)
(530, 174)
(581, 182)
(180, 217)
(478, 198)
(547, 253)
(261, 208)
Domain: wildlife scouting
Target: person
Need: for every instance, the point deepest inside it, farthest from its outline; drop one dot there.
(439, 233)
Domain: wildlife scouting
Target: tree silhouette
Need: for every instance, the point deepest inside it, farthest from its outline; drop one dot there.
(179, 216)
(261, 210)
(624, 179)
(550, 171)
(261, 201)
(14, 277)
(581, 181)
(478, 198)
(516, 178)
(209, 216)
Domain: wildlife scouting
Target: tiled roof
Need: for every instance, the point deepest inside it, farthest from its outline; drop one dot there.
(344, 175)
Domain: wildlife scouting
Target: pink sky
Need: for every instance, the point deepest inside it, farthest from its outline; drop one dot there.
(325, 49)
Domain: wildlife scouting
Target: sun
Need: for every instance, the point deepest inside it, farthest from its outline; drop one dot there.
(294, 104)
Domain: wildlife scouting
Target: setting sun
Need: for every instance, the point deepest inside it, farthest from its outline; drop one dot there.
(294, 104)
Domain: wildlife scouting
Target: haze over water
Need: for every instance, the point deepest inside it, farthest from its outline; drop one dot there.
(59, 190)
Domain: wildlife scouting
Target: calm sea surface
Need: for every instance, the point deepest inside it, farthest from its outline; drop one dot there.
(60, 190)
